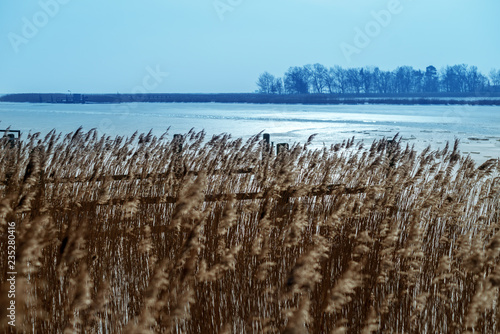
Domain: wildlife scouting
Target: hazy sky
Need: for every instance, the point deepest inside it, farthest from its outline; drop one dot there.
(222, 46)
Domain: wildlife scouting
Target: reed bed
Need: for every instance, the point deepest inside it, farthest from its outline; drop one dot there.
(344, 239)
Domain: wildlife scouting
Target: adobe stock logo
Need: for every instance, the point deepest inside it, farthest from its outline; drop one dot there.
(31, 27)
(372, 29)
(224, 6)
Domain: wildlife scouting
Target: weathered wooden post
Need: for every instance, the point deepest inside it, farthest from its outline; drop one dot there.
(267, 143)
(282, 148)
(12, 140)
(267, 138)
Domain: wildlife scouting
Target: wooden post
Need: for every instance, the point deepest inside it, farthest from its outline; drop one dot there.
(281, 148)
(267, 138)
(267, 142)
(12, 139)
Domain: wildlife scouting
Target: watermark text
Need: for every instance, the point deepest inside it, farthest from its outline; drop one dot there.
(364, 35)
(11, 273)
(32, 26)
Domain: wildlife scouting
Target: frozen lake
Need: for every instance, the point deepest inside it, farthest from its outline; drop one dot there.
(477, 127)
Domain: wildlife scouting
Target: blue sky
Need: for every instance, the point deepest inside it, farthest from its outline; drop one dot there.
(222, 46)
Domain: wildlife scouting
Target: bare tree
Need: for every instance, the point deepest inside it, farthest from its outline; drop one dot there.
(366, 79)
(330, 83)
(355, 80)
(319, 76)
(453, 78)
(278, 86)
(475, 81)
(386, 82)
(341, 79)
(495, 77)
(265, 83)
(403, 79)
(417, 81)
(297, 80)
(431, 79)
(376, 80)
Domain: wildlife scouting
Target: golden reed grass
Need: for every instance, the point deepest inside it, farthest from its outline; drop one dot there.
(148, 235)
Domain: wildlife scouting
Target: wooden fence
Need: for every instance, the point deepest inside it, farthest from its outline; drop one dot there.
(284, 195)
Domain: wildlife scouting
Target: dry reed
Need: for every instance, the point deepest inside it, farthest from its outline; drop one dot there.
(147, 235)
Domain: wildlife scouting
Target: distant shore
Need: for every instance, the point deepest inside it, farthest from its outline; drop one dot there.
(483, 98)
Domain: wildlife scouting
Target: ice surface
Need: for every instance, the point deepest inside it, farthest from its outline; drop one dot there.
(477, 127)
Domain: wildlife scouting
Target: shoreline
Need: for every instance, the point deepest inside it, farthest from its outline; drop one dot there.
(483, 98)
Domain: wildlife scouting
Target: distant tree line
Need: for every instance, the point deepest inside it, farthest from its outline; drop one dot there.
(405, 79)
